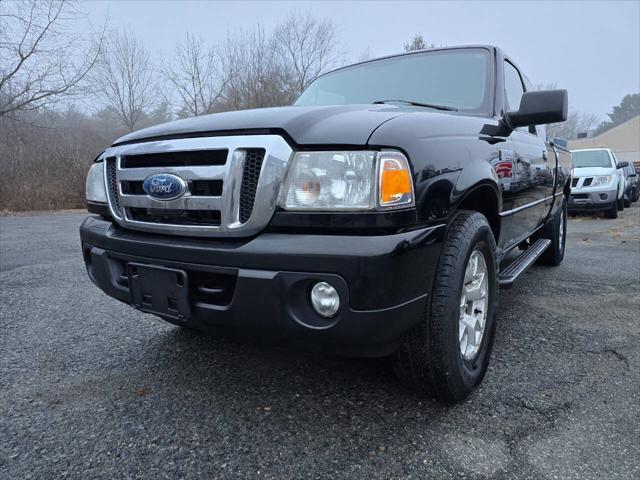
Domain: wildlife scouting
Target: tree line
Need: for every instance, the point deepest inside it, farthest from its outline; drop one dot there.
(69, 88)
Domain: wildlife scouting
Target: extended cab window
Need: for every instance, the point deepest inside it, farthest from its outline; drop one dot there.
(458, 78)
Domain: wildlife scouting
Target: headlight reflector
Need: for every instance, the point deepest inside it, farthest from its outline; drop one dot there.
(602, 180)
(348, 180)
(95, 191)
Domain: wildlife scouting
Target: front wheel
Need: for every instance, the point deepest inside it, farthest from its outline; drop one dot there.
(446, 355)
(612, 212)
(620, 203)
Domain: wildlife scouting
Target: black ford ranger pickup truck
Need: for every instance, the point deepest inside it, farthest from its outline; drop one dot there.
(377, 216)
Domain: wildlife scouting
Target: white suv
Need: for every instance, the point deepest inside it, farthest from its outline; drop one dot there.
(598, 182)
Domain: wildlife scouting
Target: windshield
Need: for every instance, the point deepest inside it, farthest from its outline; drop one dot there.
(458, 78)
(591, 158)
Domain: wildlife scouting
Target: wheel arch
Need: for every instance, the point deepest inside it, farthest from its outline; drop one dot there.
(483, 197)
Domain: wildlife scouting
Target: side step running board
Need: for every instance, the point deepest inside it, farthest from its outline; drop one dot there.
(522, 262)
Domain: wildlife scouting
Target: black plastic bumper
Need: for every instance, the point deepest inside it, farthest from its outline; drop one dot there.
(592, 201)
(262, 285)
(589, 207)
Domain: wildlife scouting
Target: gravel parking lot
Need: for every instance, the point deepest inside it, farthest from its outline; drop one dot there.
(90, 388)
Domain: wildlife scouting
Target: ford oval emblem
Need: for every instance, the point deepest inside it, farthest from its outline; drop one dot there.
(164, 186)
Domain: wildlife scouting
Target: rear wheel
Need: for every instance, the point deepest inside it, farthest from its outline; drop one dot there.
(627, 201)
(621, 203)
(446, 355)
(556, 231)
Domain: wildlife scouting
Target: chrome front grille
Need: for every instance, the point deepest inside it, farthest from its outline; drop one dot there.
(233, 184)
(250, 178)
(112, 185)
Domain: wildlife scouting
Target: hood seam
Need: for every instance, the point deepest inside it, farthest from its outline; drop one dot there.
(387, 120)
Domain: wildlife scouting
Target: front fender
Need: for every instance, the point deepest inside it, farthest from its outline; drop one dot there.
(448, 155)
(475, 175)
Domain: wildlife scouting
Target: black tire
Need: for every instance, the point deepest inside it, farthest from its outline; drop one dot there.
(627, 202)
(429, 359)
(556, 231)
(620, 203)
(612, 212)
(636, 195)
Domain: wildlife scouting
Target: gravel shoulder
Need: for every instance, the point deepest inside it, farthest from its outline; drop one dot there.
(90, 388)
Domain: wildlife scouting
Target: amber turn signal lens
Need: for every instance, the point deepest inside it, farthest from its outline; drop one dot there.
(395, 182)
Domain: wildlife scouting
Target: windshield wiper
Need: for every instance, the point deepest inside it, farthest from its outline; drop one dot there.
(418, 104)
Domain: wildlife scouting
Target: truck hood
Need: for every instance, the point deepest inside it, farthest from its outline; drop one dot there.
(593, 171)
(337, 125)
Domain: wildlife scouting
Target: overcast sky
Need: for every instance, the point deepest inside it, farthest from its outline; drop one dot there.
(591, 48)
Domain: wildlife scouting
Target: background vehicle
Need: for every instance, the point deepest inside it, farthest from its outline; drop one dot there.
(598, 182)
(377, 216)
(632, 191)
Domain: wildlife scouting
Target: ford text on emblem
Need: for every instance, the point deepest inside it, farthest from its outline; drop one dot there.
(164, 186)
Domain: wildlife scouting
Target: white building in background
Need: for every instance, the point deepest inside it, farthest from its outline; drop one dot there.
(623, 139)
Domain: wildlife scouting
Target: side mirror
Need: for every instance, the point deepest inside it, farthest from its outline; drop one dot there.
(539, 108)
(622, 165)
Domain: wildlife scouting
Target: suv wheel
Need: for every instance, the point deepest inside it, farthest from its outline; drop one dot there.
(446, 355)
(556, 231)
(612, 212)
(621, 203)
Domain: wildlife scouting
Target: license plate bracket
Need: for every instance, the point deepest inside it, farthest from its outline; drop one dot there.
(159, 290)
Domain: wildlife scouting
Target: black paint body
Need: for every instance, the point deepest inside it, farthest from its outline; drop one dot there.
(386, 260)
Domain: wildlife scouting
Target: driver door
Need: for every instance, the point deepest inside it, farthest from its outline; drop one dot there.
(525, 201)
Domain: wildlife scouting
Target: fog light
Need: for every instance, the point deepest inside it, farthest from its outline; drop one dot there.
(325, 299)
(603, 196)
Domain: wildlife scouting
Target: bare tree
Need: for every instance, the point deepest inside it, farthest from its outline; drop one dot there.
(307, 48)
(125, 77)
(577, 122)
(256, 77)
(53, 143)
(37, 52)
(199, 77)
(364, 55)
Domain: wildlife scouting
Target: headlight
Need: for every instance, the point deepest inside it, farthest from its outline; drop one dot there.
(357, 180)
(603, 180)
(95, 184)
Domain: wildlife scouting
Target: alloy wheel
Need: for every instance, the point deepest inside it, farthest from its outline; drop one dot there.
(473, 306)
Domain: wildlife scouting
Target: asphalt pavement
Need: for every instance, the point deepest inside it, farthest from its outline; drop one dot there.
(90, 388)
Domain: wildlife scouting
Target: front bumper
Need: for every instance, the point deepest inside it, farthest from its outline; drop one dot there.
(591, 200)
(262, 284)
